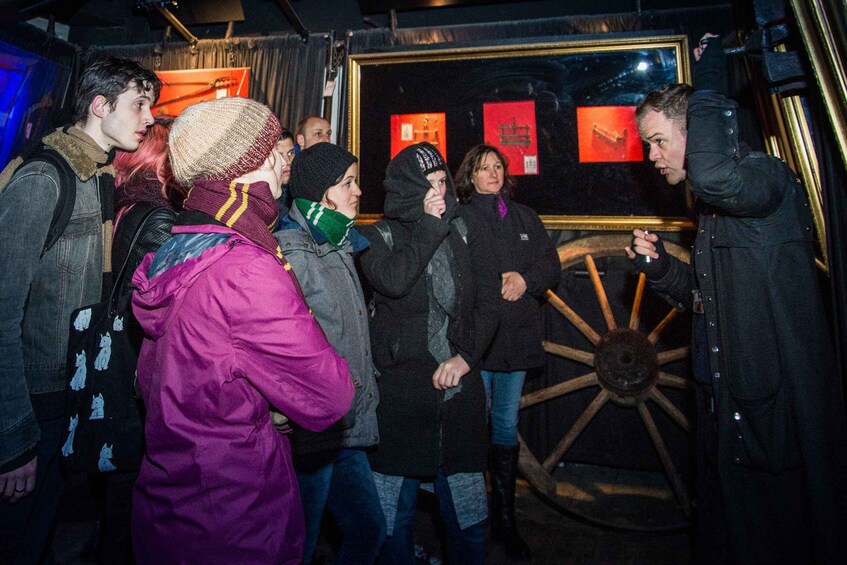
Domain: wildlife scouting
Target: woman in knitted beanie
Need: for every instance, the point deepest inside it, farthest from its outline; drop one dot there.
(436, 312)
(228, 336)
(318, 239)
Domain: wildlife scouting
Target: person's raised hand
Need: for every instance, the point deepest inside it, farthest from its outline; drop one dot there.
(650, 245)
(433, 203)
(698, 51)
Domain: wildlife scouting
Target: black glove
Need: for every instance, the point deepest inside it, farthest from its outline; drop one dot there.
(655, 269)
(710, 70)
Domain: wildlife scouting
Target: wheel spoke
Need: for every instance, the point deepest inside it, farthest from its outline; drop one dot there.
(634, 318)
(583, 420)
(670, 409)
(600, 292)
(534, 473)
(654, 335)
(569, 352)
(664, 456)
(558, 390)
(573, 317)
(674, 381)
(673, 355)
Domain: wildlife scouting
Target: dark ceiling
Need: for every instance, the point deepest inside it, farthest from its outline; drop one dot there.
(99, 22)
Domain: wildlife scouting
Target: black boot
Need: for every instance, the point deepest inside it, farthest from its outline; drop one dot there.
(504, 466)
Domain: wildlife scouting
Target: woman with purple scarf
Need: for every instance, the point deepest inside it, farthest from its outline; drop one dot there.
(228, 336)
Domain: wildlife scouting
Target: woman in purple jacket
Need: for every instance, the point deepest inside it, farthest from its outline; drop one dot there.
(228, 336)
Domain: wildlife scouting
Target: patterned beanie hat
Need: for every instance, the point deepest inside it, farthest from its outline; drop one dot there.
(429, 159)
(317, 168)
(221, 139)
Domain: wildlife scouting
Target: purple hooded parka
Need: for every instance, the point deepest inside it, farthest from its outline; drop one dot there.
(228, 336)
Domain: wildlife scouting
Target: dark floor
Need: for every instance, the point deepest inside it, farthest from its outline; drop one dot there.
(555, 537)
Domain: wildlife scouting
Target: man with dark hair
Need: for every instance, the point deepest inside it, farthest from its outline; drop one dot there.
(770, 418)
(42, 285)
(285, 146)
(311, 130)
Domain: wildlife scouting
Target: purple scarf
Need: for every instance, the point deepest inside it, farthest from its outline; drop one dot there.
(249, 209)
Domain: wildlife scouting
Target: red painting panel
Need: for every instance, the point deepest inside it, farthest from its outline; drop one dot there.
(608, 134)
(408, 129)
(184, 88)
(510, 126)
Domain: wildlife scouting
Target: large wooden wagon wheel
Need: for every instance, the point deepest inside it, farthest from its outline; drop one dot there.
(623, 365)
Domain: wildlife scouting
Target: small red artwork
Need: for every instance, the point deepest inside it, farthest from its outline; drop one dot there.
(408, 129)
(608, 134)
(181, 89)
(510, 127)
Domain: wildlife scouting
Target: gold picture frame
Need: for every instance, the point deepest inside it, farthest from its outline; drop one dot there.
(559, 77)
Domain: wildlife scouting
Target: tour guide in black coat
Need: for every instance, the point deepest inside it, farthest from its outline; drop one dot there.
(427, 431)
(770, 417)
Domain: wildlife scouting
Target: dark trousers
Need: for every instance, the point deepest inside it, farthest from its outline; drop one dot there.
(464, 547)
(25, 526)
(745, 516)
(113, 494)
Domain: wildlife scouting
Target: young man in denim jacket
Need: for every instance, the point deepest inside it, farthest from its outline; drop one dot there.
(42, 287)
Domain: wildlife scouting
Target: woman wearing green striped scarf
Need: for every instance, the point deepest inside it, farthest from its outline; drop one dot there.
(317, 238)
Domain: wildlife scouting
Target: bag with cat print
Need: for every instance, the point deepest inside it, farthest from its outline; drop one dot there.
(105, 426)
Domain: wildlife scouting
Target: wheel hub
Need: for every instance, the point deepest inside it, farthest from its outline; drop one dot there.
(626, 364)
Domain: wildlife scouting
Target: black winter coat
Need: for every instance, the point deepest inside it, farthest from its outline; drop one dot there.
(420, 431)
(767, 348)
(520, 244)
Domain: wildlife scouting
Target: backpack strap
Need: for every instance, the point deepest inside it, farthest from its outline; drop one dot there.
(136, 223)
(67, 195)
(462, 228)
(34, 151)
(385, 231)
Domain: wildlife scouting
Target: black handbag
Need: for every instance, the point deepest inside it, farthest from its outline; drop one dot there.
(105, 430)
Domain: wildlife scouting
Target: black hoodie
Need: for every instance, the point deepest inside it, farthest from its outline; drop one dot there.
(420, 428)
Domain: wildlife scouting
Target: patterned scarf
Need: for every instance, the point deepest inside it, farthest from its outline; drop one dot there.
(332, 223)
(249, 209)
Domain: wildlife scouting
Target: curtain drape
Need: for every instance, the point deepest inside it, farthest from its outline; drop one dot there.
(286, 73)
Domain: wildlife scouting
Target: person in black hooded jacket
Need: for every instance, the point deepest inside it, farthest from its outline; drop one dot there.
(435, 314)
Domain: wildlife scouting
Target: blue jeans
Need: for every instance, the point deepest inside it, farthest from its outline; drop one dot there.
(503, 394)
(463, 546)
(346, 488)
(25, 526)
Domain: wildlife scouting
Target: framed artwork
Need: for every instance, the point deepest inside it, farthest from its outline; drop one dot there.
(184, 88)
(561, 112)
(511, 128)
(408, 129)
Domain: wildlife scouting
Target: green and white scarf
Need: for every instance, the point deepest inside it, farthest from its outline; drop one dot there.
(332, 223)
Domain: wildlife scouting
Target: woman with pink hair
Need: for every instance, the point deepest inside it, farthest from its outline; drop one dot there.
(143, 185)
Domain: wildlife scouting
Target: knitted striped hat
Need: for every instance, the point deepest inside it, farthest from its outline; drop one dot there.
(429, 159)
(221, 139)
